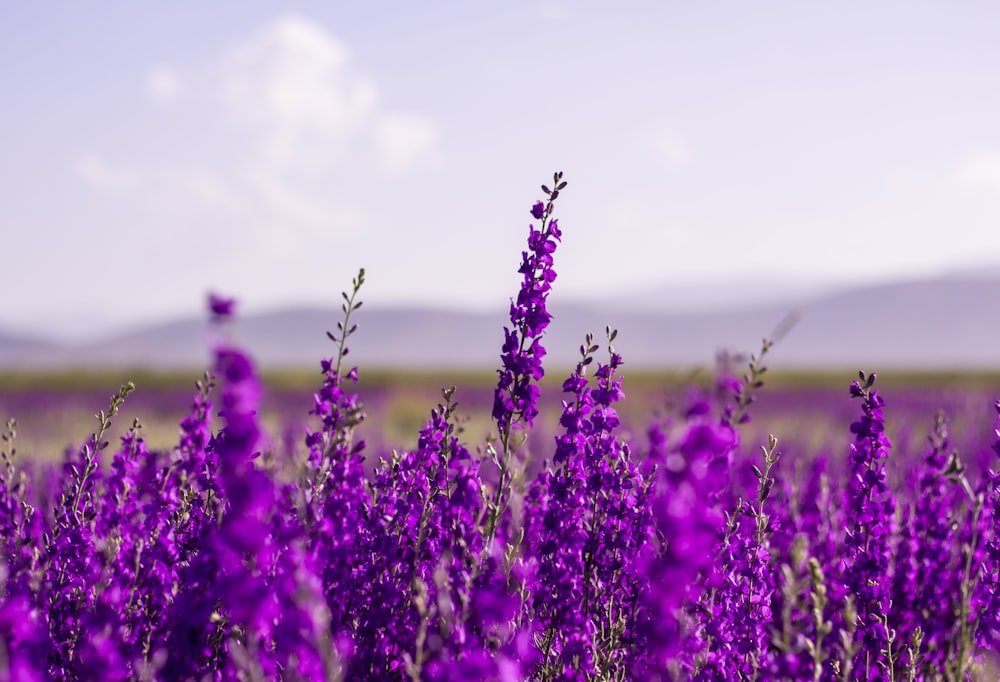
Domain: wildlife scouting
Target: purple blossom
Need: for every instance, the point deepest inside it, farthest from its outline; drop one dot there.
(870, 525)
(221, 308)
(688, 523)
(515, 398)
(987, 597)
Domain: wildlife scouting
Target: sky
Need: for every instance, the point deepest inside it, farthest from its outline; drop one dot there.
(152, 152)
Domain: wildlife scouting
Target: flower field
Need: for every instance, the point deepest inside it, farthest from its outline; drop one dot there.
(729, 533)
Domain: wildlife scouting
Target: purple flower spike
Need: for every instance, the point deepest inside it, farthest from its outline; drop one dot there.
(515, 400)
(516, 396)
(870, 523)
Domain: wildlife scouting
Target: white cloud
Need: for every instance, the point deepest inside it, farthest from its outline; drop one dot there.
(270, 128)
(292, 86)
(404, 141)
(669, 148)
(285, 199)
(980, 173)
(101, 175)
(163, 84)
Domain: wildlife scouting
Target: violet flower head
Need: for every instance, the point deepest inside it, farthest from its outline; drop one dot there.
(22, 650)
(871, 520)
(515, 400)
(516, 394)
(928, 572)
(221, 308)
(988, 588)
(558, 545)
(688, 522)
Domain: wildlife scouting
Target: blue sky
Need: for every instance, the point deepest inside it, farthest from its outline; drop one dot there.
(152, 152)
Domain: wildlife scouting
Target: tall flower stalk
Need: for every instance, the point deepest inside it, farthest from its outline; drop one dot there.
(870, 525)
(515, 400)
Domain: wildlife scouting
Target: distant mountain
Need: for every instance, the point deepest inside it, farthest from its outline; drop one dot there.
(719, 296)
(945, 322)
(22, 349)
(937, 323)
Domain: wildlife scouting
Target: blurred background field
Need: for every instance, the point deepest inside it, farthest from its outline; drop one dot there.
(810, 412)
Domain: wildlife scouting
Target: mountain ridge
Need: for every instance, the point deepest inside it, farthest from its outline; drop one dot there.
(943, 322)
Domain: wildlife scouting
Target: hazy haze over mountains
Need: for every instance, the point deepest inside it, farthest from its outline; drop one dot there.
(943, 322)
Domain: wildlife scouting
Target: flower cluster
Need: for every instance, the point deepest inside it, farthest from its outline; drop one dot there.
(679, 555)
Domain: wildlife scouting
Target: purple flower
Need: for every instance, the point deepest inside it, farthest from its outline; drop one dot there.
(515, 399)
(221, 308)
(988, 589)
(688, 523)
(22, 653)
(587, 521)
(870, 525)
